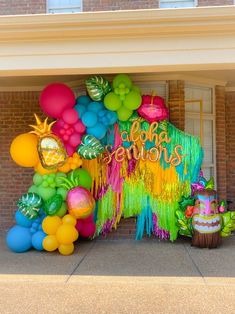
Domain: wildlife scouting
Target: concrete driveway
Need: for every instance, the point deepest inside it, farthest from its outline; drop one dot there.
(120, 276)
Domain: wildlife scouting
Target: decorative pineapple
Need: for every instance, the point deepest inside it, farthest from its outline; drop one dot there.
(50, 149)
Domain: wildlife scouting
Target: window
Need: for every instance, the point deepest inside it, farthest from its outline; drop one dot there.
(64, 6)
(192, 123)
(177, 3)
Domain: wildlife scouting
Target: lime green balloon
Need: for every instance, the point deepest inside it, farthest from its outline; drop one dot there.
(124, 113)
(132, 101)
(46, 193)
(136, 89)
(122, 80)
(112, 101)
(62, 211)
(58, 177)
(33, 189)
(84, 178)
(37, 179)
(63, 192)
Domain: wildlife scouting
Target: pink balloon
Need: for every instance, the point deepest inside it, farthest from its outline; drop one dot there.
(79, 127)
(70, 150)
(70, 116)
(87, 229)
(75, 139)
(55, 98)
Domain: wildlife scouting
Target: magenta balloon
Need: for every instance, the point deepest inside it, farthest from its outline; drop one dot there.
(70, 116)
(75, 139)
(69, 149)
(79, 127)
(55, 98)
(87, 230)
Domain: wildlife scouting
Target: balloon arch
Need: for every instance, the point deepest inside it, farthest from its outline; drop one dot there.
(109, 154)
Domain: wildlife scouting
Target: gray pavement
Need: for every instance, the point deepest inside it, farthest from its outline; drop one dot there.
(120, 276)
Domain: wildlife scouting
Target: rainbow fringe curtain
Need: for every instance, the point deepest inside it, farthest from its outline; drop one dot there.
(149, 190)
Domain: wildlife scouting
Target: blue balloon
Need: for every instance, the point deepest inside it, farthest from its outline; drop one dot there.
(23, 221)
(81, 109)
(83, 100)
(37, 240)
(95, 106)
(112, 116)
(89, 119)
(19, 239)
(97, 131)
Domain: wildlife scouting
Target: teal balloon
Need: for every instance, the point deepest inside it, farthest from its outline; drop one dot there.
(124, 113)
(80, 109)
(19, 239)
(22, 220)
(89, 119)
(98, 131)
(132, 101)
(37, 240)
(112, 101)
(83, 100)
(95, 106)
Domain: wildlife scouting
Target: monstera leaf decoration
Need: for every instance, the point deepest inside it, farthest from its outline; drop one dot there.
(90, 147)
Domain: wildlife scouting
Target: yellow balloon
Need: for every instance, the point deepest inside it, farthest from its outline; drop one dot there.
(39, 169)
(68, 219)
(50, 224)
(50, 243)
(24, 150)
(66, 234)
(66, 249)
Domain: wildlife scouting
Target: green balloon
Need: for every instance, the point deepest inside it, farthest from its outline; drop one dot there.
(84, 178)
(136, 89)
(62, 211)
(122, 79)
(63, 192)
(112, 101)
(33, 189)
(124, 113)
(46, 193)
(37, 179)
(53, 205)
(58, 177)
(132, 101)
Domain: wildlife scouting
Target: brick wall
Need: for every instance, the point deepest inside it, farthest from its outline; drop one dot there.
(206, 3)
(176, 103)
(220, 142)
(230, 145)
(13, 7)
(16, 112)
(107, 5)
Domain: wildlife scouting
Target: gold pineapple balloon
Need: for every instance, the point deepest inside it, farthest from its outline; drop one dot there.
(51, 151)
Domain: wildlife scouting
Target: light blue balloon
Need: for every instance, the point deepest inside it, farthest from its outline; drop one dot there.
(23, 221)
(19, 239)
(112, 116)
(37, 240)
(95, 106)
(81, 109)
(83, 100)
(89, 119)
(97, 131)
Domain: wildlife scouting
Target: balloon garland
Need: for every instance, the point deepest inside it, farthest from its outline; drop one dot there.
(109, 155)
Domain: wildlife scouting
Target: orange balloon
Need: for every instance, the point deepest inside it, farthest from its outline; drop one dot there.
(66, 249)
(50, 224)
(24, 150)
(68, 219)
(39, 169)
(66, 234)
(50, 243)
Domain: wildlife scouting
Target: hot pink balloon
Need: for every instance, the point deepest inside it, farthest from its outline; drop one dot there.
(75, 139)
(69, 149)
(79, 127)
(70, 116)
(85, 228)
(55, 98)
(153, 108)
